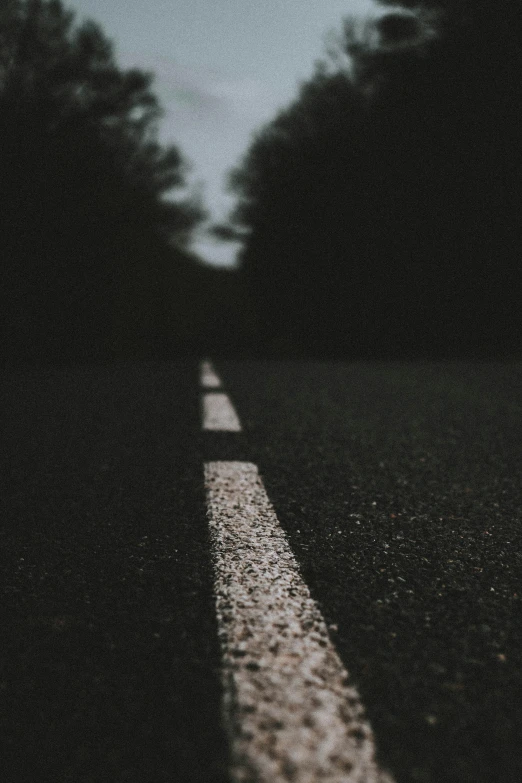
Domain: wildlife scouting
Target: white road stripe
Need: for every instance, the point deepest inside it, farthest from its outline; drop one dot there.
(219, 413)
(289, 711)
(208, 376)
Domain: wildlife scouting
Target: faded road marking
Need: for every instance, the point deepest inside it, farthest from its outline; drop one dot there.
(208, 377)
(219, 413)
(289, 710)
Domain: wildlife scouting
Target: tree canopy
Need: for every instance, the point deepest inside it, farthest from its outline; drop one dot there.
(380, 203)
(83, 178)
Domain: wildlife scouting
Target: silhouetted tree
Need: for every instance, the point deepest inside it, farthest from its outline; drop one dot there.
(83, 181)
(378, 202)
(297, 182)
(464, 121)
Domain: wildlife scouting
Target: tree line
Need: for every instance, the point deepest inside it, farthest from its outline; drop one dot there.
(381, 208)
(378, 211)
(94, 261)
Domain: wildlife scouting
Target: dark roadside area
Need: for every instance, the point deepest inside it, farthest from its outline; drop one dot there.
(109, 666)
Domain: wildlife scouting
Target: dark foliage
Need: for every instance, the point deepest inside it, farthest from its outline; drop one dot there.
(82, 191)
(383, 203)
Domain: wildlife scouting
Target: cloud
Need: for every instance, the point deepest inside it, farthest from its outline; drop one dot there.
(175, 83)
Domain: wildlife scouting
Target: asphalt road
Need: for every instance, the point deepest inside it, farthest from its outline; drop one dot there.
(399, 488)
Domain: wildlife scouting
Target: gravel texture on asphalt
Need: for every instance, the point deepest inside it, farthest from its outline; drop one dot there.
(110, 666)
(291, 712)
(399, 487)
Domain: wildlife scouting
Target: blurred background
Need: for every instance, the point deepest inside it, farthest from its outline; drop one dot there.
(297, 178)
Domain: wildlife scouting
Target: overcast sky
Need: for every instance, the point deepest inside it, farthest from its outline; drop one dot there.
(223, 68)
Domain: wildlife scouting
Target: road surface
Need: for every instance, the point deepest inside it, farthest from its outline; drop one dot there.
(393, 495)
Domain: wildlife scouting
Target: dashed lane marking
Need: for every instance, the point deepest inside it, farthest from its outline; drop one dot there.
(208, 376)
(219, 414)
(289, 709)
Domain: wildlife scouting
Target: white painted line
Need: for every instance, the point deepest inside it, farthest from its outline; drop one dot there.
(289, 710)
(208, 376)
(219, 413)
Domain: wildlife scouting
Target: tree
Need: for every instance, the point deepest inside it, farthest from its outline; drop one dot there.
(468, 118)
(297, 181)
(82, 180)
(377, 202)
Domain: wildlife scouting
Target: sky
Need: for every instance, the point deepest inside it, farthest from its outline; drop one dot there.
(222, 69)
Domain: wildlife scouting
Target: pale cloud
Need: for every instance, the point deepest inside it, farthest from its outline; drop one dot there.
(175, 83)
